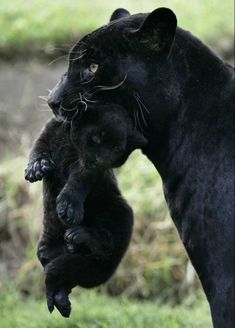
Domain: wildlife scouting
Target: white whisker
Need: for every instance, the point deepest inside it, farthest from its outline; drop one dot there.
(56, 59)
(68, 109)
(73, 118)
(44, 98)
(104, 88)
(81, 55)
(88, 81)
(84, 103)
(135, 123)
(137, 96)
(138, 120)
(142, 114)
(45, 110)
(64, 123)
(89, 101)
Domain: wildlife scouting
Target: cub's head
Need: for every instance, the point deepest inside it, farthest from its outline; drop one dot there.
(105, 136)
(117, 63)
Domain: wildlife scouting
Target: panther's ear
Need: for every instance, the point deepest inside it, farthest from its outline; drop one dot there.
(157, 32)
(119, 13)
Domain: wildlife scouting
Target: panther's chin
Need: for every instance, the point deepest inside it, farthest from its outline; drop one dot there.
(65, 116)
(59, 118)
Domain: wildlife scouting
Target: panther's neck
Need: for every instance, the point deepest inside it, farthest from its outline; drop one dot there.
(191, 142)
(195, 110)
(199, 71)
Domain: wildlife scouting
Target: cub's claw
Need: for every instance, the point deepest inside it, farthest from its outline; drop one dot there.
(69, 210)
(50, 299)
(36, 170)
(62, 303)
(100, 245)
(77, 235)
(60, 300)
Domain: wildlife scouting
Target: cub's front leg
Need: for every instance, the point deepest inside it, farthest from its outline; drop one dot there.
(40, 161)
(70, 201)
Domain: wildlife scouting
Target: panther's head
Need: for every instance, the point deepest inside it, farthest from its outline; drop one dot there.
(114, 64)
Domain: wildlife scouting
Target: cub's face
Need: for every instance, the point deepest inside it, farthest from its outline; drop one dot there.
(117, 64)
(105, 136)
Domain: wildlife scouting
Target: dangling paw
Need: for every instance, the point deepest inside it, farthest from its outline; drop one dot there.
(56, 293)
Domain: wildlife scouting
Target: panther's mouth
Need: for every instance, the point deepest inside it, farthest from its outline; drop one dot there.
(66, 109)
(68, 114)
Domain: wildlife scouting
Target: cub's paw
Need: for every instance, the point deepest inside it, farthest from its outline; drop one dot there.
(42, 254)
(58, 298)
(36, 170)
(69, 209)
(77, 235)
(100, 245)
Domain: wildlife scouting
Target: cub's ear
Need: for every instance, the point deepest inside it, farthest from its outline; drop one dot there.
(136, 140)
(157, 32)
(119, 13)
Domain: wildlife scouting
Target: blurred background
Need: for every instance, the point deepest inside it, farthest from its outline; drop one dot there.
(155, 286)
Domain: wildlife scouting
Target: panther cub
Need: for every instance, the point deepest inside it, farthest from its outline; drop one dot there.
(87, 223)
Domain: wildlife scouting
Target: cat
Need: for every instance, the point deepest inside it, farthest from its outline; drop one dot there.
(87, 223)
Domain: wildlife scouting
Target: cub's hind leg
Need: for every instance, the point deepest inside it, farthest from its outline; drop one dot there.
(51, 246)
(98, 241)
(51, 243)
(69, 270)
(48, 249)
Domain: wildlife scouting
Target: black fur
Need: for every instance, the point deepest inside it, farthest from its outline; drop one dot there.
(77, 189)
(182, 95)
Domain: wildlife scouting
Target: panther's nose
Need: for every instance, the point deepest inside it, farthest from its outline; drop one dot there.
(56, 94)
(54, 104)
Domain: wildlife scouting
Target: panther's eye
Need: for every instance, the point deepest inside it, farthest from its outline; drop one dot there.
(93, 68)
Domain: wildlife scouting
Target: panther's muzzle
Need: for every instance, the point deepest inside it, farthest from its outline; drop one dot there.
(55, 96)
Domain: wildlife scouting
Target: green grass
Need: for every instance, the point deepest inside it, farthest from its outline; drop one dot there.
(93, 311)
(138, 173)
(43, 23)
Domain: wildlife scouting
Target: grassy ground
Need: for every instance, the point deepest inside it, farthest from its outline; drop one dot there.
(93, 311)
(43, 23)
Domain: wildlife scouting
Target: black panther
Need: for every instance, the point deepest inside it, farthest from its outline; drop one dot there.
(87, 223)
(181, 95)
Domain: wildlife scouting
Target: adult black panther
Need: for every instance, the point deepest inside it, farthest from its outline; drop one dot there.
(181, 94)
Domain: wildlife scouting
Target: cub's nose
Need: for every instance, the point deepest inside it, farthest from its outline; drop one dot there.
(98, 161)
